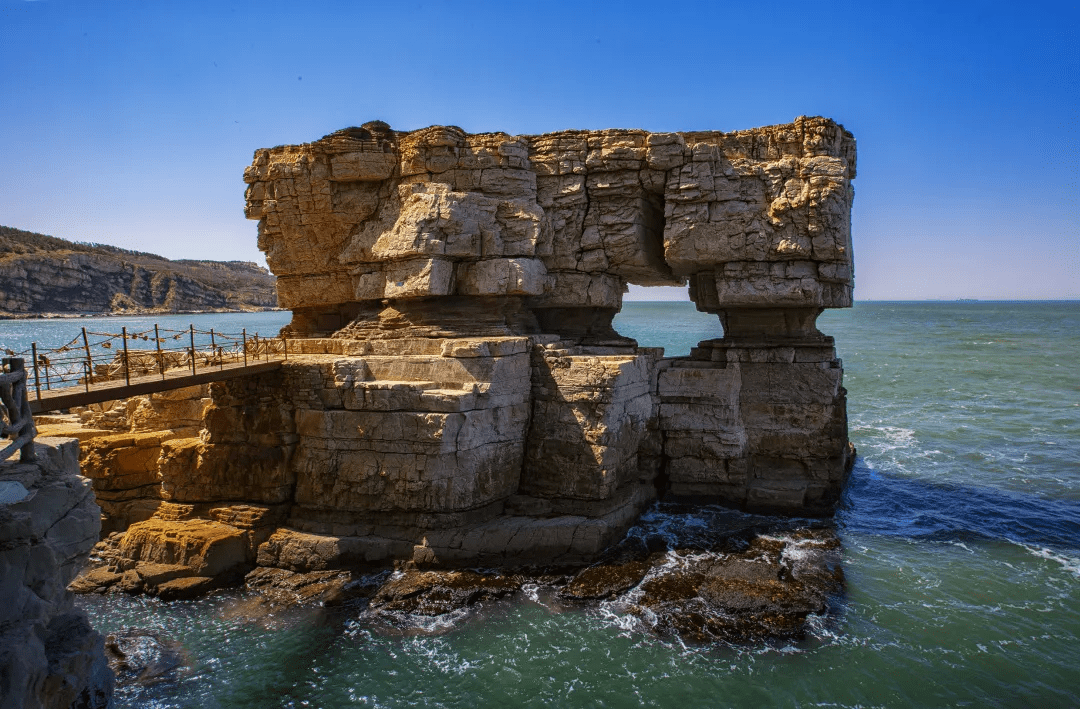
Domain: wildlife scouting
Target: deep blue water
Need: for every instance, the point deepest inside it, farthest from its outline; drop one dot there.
(961, 544)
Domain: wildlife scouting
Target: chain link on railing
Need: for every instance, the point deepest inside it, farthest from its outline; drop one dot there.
(92, 358)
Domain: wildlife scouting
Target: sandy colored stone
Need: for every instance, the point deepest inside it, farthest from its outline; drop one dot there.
(456, 390)
(94, 581)
(300, 552)
(207, 548)
(752, 218)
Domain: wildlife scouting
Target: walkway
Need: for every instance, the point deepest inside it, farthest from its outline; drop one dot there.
(104, 366)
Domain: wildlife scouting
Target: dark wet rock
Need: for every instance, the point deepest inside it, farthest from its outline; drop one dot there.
(144, 656)
(438, 592)
(286, 588)
(768, 590)
(737, 584)
(606, 580)
(701, 574)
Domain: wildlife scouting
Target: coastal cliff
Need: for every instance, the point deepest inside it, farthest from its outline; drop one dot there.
(49, 654)
(42, 274)
(455, 393)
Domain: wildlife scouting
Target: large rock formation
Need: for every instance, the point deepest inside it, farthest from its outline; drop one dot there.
(455, 392)
(49, 654)
(42, 274)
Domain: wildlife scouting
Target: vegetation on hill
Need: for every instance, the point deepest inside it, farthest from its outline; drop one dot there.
(44, 274)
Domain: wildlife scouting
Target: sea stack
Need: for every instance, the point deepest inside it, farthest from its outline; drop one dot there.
(455, 393)
(463, 389)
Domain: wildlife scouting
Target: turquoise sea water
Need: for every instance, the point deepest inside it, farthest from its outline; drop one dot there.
(961, 546)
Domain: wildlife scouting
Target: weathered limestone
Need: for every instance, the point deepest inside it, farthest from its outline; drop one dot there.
(49, 654)
(756, 218)
(455, 391)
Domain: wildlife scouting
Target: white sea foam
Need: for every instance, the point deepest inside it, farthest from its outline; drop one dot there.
(1069, 563)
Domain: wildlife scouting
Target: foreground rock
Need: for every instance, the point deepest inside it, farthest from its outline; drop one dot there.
(49, 654)
(757, 582)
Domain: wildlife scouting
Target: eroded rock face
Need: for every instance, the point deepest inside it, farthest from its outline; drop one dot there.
(562, 221)
(428, 236)
(49, 654)
(455, 393)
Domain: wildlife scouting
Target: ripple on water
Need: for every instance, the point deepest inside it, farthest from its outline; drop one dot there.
(961, 549)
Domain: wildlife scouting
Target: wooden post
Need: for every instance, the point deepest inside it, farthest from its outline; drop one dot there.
(127, 361)
(160, 359)
(89, 360)
(244, 334)
(37, 380)
(191, 330)
(22, 401)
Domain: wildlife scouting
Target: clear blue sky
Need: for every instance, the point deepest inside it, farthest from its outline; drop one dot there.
(130, 123)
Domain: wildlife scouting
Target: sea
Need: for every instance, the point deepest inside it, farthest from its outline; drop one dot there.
(960, 533)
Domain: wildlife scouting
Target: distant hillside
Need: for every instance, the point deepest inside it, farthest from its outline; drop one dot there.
(44, 274)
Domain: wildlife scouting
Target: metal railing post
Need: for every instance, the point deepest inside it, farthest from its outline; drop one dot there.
(213, 350)
(45, 366)
(244, 332)
(160, 359)
(89, 359)
(191, 331)
(127, 360)
(37, 380)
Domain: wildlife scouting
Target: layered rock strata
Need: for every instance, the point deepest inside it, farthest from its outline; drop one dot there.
(49, 654)
(455, 392)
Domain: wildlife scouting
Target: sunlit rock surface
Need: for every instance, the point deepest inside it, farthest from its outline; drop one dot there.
(455, 393)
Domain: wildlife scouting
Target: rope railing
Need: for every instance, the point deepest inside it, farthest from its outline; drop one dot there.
(16, 421)
(92, 358)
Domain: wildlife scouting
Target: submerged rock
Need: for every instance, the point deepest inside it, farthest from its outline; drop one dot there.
(144, 656)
